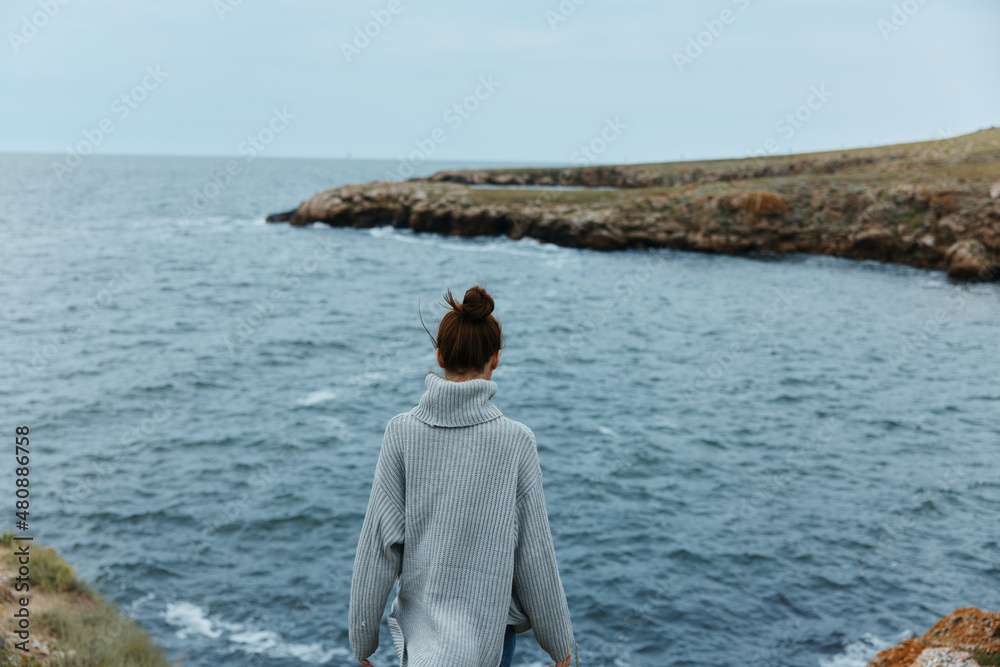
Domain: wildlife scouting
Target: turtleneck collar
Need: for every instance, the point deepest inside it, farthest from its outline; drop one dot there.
(453, 404)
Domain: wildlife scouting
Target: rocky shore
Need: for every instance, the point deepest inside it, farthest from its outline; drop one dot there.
(933, 205)
(968, 637)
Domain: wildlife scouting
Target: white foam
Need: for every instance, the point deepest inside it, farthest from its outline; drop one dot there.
(269, 643)
(133, 608)
(214, 223)
(315, 652)
(256, 641)
(463, 244)
(319, 396)
(382, 232)
(856, 654)
(192, 619)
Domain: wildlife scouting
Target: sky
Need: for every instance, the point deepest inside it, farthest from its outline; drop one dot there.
(545, 81)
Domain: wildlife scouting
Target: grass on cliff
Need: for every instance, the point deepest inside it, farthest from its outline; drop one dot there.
(947, 152)
(986, 658)
(488, 196)
(78, 627)
(967, 161)
(49, 572)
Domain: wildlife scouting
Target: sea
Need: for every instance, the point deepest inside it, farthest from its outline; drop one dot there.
(754, 460)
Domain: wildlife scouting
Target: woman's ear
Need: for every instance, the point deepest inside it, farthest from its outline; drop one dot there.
(495, 361)
(440, 358)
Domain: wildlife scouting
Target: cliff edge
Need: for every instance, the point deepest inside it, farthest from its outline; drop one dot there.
(65, 621)
(933, 205)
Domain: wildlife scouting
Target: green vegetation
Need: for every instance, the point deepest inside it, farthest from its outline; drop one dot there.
(77, 627)
(523, 196)
(986, 658)
(936, 152)
(968, 161)
(100, 636)
(49, 572)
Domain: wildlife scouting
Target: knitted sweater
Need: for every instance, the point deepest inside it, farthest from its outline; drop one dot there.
(457, 513)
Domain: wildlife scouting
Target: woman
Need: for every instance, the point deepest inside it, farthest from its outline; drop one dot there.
(457, 513)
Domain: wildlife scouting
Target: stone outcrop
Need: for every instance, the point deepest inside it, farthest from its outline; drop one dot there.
(282, 217)
(897, 204)
(967, 635)
(970, 260)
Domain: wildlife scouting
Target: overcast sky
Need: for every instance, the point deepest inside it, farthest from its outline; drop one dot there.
(629, 79)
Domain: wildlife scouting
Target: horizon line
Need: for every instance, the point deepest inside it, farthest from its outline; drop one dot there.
(526, 163)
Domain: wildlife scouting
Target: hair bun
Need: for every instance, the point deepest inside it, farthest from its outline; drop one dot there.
(477, 304)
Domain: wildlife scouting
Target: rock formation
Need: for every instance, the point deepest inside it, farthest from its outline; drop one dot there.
(933, 205)
(966, 636)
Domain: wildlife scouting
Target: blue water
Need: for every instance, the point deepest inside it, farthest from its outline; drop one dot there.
(747, 460)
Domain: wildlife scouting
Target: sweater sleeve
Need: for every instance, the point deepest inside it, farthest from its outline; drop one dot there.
(536, 573)
(379, 559)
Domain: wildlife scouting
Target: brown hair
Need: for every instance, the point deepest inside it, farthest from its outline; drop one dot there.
(468, 334)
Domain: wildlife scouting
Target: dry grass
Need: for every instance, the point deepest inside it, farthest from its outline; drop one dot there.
(72, 625)
(971, 160)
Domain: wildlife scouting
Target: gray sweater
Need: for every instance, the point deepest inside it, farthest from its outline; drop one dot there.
(457, 513)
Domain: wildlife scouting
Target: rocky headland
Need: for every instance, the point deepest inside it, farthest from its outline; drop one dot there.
(933, 205)
(967, 637)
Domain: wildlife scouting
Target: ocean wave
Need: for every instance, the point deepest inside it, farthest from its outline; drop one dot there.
(524, 247)
(318, 396)
(192, 620)
(857, 653)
